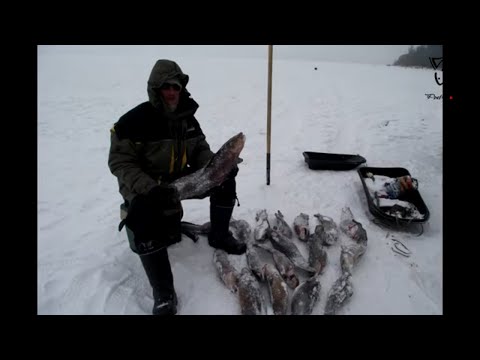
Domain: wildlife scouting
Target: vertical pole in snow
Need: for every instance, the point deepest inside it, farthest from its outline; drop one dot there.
(269, 109)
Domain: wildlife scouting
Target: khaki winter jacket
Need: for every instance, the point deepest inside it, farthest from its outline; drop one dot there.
(150, 145)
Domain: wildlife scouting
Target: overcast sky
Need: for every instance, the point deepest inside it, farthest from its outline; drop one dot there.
(370, 54)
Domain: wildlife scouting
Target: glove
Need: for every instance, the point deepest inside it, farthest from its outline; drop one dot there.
(156, 216)
(164, 195)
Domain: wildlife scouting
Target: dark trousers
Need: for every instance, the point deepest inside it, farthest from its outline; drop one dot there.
(153, 251)
(223, 195)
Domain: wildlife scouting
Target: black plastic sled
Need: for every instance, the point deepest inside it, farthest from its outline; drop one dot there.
(412, 196)
(328, 161)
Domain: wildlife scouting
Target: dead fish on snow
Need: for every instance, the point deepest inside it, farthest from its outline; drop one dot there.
(283, 264)
(360, 234)
(262, 228)
(350, 255)
(286, 246)
(340, 292)
(282, 226)
(249, 294)
(330, 229)
(317, 256)
(225, 270)
(277, 289)
(306, 296)
(197, 229)
(346, 218)
(301, 226)
(254, 262)
(351, 227)
(241, 229)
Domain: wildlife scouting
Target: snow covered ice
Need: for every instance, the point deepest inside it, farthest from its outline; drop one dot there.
(85, 265)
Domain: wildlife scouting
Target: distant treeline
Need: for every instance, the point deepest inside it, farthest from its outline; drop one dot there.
(420, 56)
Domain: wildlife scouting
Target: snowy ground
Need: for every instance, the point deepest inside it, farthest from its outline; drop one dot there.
(85, 265)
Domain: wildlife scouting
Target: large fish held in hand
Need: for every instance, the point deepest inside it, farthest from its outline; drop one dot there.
(198, 184)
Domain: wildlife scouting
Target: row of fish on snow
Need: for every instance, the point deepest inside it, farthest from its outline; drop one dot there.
(277, 241)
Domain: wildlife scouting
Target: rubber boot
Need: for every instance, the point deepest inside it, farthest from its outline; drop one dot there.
(220, 237)
(159, 273)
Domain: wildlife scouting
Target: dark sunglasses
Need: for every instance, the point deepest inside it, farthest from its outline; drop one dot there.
(167, 86)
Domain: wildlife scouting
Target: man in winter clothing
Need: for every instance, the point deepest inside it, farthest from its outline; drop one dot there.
(152, 145)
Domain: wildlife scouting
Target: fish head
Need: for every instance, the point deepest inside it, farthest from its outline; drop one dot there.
(291, 279)
(244, 227)
(226, 158)
(234, 146)
(261, 215)
(303, 233)
(236, 143)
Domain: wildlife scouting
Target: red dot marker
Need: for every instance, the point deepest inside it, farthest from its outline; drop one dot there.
(451, 97)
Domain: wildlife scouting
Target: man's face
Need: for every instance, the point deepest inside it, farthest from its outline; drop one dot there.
(170, 94)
